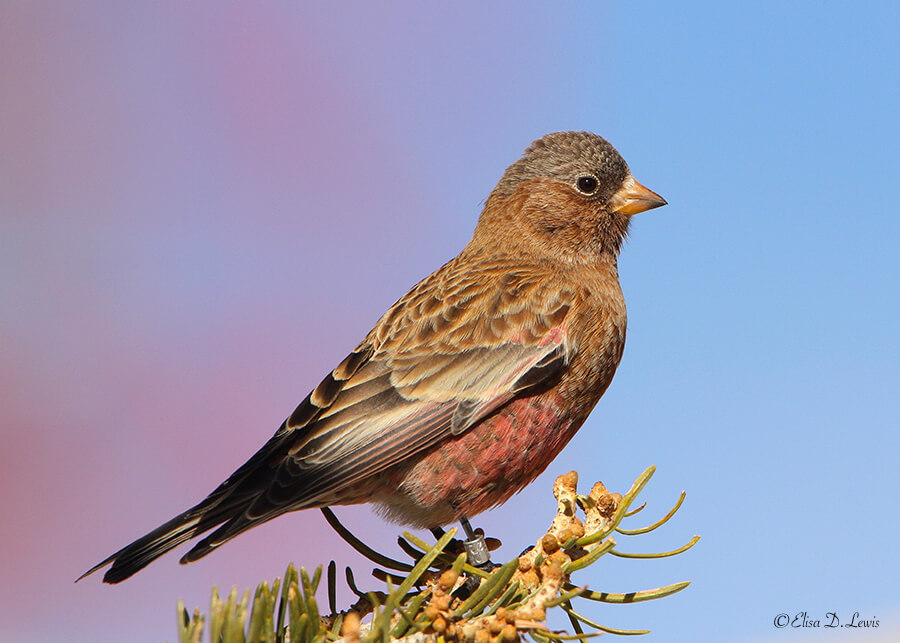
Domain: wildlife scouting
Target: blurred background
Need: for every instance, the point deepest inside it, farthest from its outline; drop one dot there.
(205, 206)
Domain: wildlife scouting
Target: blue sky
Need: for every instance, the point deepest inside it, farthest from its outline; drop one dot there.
(204, 207)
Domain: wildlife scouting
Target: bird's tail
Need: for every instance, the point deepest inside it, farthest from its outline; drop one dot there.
(134, 557)
(223, 508)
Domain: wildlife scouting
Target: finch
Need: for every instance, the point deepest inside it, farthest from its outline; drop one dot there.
(471, 384)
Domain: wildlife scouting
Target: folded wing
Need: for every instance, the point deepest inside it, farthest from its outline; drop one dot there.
(443, 358)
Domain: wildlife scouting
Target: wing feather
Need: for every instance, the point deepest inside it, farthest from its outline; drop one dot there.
(410, 394)
(456, 348)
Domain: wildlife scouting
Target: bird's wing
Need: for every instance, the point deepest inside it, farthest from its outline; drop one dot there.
(444, 357)
(452, 351)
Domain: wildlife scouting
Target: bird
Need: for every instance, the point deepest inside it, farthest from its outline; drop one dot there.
(470, 384)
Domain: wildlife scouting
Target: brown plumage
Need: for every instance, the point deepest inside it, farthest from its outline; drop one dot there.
(471, 383)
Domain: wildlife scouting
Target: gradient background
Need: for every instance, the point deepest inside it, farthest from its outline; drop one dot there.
(204, 206)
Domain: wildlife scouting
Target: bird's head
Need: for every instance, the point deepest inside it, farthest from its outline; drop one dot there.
(570, 195)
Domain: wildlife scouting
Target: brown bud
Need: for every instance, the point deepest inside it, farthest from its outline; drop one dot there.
(606, 505)
(549, 543)
(524, 564)
(448, 579)
(577, 528)
(482, 636)
(538, 614)
(431, 612)
(439, 624)
(509, 634)
(561, 557)
(530, 579)
(598, 490)
(442, 602)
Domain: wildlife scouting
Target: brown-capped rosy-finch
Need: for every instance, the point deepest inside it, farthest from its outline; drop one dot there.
(471, 384)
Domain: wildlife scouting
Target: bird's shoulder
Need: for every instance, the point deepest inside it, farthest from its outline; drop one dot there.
(474, 302)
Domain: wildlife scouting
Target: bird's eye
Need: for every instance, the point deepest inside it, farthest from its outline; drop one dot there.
(586, 184)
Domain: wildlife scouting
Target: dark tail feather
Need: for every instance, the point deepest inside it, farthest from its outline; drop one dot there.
(134, 557)
(144, 550)
(270, 500)
(233, 527)
(223, 505)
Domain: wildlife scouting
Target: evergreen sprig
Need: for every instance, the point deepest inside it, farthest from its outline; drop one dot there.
(430, 599)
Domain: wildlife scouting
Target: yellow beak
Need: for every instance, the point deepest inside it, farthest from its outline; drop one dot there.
(633, 198)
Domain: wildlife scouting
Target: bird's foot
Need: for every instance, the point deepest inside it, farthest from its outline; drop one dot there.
(477, 554)
(477, 551)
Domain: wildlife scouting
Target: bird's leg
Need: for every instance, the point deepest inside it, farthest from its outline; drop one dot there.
(437, 532)
(477, 554)
(476, 548)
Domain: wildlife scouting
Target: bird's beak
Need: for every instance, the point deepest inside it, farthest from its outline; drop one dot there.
(633, 198)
